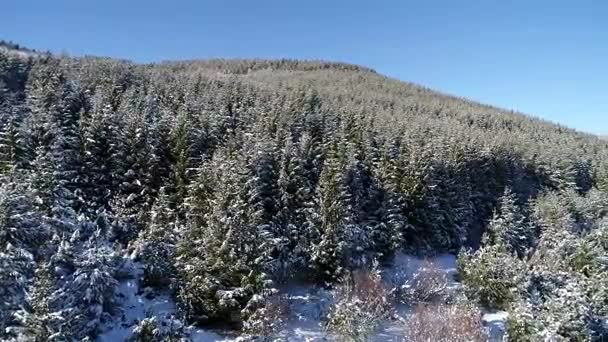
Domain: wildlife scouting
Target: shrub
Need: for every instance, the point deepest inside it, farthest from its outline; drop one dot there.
(428, 284)
(491, 275)
(361, 302)
(267, 319)
(521, 325)
(158, 266)
(151, 329)
(220, 292)
(444, 323)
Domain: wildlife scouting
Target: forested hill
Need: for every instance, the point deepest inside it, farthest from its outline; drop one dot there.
(225, 176)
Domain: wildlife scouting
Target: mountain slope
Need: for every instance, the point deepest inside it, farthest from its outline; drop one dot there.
(226, 178)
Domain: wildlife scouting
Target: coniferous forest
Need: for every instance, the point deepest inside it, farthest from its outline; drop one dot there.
(218, 183)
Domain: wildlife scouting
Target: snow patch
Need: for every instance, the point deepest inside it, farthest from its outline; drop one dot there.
(308, 305)
(137, 303)
(200, 335)
(496, 324)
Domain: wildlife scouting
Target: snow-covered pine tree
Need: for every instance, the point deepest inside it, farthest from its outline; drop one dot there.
(38, 320)
(134, 169)
(13, 148)
(509, 227)
(220, 264)
(296, 205)
(44, 93)
(98, 145)
(21, 224)
(85, 297)
(14, 72)
(161, 140)
(156, 243)
(601, 176)
(397, 206)
(263, 196)
(330, 255)
(181, 150)
(66, 148)
(16, 269)
(166, 329)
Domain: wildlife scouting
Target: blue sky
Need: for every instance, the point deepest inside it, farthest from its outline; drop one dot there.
(546, 58)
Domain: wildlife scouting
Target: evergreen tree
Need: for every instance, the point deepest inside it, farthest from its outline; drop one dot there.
(332, 253)
(156, 244)
(181, 156)
(13, 149)
(296, 207)
(20, 224)
(16, 269)
(39, 322)
(99, 148)
(601, 177)
(508, 228)
(221, 260)
(85, 296)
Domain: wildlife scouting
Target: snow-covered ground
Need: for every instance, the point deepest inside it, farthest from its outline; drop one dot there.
(308, 306)
(137, 303)
(495, 322)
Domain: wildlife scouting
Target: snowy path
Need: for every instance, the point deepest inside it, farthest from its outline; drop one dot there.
(308, 306)
(136, 305)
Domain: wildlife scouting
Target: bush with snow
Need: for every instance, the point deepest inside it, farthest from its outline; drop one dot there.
(459, 322)
(557, 291)
(268, 318)
(491, 275)
(361, 303)
(429, 283)
(166, 329)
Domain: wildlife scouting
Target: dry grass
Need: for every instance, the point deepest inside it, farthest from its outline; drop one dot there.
(361, 303)
(444, 323)
(369, 288)
(429, 284)
(268, 319)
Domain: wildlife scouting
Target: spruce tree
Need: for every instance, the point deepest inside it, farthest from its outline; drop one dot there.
(16, 269)
(331, 253)
(13, 148)
(156, 243)
(99, 144)
(509, 228)
(182, 158)
(40, 322)
(221, 263)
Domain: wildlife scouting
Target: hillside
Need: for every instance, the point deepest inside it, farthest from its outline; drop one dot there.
(213, 184)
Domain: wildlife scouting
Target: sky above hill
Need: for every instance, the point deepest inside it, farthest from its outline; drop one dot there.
(545, 58)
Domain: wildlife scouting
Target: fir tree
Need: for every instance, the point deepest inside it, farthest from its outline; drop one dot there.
(16, 269)
(508, 228)
(156, 244)
(331, 254)
(40, 322)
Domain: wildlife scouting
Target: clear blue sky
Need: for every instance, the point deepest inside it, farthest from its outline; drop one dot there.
(546, 58)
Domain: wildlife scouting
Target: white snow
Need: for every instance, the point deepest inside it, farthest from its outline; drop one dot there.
(495, 317)
(308, 306)
(200, 335)
(412, 264)
(496, 324)
(136, 304)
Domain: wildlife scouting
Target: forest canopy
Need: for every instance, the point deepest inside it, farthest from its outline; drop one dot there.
(226, 178)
